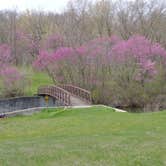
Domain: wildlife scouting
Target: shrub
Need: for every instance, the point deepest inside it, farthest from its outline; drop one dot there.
(119, 72)
(13, 82)
(5, 55)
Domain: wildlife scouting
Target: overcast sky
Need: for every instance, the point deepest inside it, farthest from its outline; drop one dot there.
(51, 5)
(46, 5)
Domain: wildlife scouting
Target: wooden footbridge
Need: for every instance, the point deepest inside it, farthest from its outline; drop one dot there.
(69, 95)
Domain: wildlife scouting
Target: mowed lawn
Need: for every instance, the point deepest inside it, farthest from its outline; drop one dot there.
(84, 137)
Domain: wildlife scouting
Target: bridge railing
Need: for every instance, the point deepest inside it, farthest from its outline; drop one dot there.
(57, 92)
(79, 92)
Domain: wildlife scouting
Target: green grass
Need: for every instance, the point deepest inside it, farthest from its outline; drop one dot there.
(37, 79)
(84, 137)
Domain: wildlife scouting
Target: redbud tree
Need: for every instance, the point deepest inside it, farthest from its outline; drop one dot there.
(115, 70)
(12, 80)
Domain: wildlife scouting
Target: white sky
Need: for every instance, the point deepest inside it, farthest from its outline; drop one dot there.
(46, 5)
(21, 5)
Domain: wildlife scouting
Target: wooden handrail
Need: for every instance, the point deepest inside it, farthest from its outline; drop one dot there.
(77, 91)
(57, 92)
(63, 93)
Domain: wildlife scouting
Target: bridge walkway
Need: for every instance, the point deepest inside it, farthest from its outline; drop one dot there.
(69, 95)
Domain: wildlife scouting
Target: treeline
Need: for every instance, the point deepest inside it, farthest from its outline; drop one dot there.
(117, 50)
(82, 20)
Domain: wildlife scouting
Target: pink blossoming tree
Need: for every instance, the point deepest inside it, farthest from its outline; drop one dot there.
(12, 81)
(117, 71)
(5, 55)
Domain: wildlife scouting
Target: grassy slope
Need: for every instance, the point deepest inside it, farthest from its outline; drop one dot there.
(37, 79)
(94, 136)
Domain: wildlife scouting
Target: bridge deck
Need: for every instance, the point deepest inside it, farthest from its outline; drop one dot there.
(68, 94)
(75, 101)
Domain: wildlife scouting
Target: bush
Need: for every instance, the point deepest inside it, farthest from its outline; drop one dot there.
(13, 82)
(118, 72)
